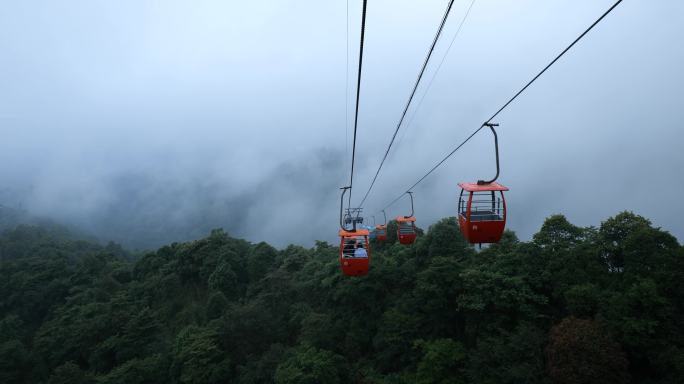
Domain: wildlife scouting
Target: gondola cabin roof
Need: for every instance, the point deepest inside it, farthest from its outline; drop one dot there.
(403, 219)
(358, 232)
(474, 187)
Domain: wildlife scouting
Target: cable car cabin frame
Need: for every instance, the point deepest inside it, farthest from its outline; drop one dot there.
(349, 238)
(406, 225)
(482, 212)
(354, 266)
(381, 232)
(406, 229)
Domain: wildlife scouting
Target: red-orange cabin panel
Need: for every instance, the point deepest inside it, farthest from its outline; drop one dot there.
(406, 229)
(482, 212)
(353, 262)
(381, 232)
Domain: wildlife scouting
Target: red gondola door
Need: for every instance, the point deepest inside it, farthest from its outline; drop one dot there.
(406, 229)
(482, 212)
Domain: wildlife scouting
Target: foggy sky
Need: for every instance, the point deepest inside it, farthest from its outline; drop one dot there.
(147, 122)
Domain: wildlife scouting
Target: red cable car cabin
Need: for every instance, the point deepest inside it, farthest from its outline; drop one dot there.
(381, 232)
(406, 229)
(482, 212)
(350, 264)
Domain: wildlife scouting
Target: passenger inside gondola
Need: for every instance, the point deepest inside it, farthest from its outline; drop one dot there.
(349, 247)
(360, 251)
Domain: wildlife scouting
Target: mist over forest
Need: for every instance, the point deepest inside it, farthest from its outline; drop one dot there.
(174, 178)
(166, 120)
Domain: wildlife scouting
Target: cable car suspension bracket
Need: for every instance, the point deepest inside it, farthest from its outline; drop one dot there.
(496, 151)
(411, 196)
(351, 216)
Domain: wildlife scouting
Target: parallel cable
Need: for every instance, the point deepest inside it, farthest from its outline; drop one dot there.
(346, 93)
(434, 74)
(507, 103)
(358, 90)
(553, 61)
(413, 92)
(436, 166)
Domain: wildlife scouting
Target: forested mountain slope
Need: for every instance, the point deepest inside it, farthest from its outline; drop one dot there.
(575, 305)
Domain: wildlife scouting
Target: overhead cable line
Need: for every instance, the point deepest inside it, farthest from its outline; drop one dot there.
(358, 89)
(346, 93)
(434, 74)
(413, 92)
(488, 121)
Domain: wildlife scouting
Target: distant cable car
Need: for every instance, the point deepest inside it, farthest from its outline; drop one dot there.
(350, 242)
(406, 226)
(381, 229)
(381, 232)
(406, 229)
(482, 206)
(355, 250)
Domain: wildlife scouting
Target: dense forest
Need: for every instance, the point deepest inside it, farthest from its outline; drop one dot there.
(573, 305)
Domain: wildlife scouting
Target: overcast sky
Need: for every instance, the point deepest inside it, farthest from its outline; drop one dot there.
(147, 122)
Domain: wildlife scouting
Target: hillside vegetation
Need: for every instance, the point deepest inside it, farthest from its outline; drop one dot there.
(574, 305)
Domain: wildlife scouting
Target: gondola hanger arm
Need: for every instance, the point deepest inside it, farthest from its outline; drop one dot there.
(496, 151)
